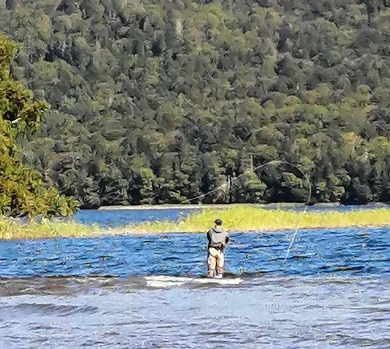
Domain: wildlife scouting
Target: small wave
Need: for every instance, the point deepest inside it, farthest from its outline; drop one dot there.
(61, 310)
(176, 281)
(71, 285)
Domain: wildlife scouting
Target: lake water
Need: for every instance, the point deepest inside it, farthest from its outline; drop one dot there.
(333, 291)
(116, 218)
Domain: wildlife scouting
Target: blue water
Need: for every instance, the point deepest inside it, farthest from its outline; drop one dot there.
(333, 291)
(116, 218)
(349, 252)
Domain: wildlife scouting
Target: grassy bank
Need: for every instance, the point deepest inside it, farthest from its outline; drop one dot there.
(237, 218)
(10, 229)
(253, 219)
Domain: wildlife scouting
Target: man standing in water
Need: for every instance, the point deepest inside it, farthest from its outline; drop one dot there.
(217, 240)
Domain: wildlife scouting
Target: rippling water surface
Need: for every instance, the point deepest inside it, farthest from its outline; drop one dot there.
(116, 218)
(120, 217)
(333, 291)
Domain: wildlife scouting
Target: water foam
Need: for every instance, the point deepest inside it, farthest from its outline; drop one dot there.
(161, 281)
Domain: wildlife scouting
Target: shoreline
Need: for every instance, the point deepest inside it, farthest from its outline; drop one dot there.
(248, 231)
(245, 219)
(118, 232)
(193, 206)
(280, 205)
(126, 232)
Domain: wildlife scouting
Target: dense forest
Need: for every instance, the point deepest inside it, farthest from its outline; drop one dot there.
(163, 101)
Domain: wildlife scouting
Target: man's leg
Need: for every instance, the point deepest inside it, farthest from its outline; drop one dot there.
(220, 263)
(211, 263)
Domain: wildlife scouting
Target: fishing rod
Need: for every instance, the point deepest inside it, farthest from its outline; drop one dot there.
(297, 229)
(260, 167)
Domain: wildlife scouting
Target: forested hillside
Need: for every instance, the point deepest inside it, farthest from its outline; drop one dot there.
(161, 101)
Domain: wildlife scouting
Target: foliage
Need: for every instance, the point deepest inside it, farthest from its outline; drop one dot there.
(10, 229)
(22, 192)
(162, 101)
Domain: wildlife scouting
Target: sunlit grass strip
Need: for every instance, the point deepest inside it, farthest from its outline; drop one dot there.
(46, 229)
(256, 219)
(236, 218)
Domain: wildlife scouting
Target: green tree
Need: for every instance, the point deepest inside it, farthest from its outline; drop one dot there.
(22, 192)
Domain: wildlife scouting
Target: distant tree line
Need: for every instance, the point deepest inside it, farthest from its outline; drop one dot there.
(163, 101)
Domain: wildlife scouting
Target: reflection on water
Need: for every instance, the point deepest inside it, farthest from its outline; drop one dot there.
(149, 292)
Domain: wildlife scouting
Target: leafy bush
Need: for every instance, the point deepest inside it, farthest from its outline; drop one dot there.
(22, 192)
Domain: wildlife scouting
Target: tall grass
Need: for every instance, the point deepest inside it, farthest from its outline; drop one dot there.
(240, 218)
(10, 229)
(236, 218)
